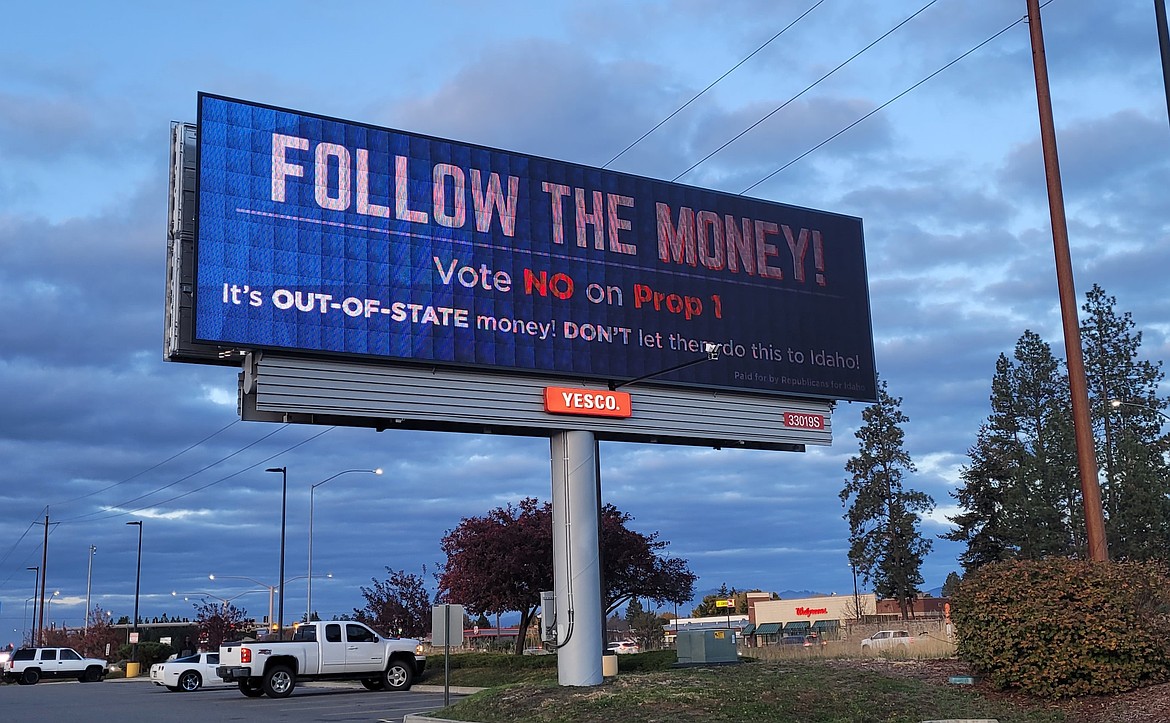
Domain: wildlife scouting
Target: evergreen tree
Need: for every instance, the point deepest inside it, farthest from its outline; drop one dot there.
(885, 545)
(1128, 422)
(1020, 493)
(951, 584)
(1046, 486)
(707, 606)
(983, 523)
(645, 625)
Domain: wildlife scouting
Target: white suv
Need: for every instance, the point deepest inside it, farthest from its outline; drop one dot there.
(28, 665)
(897, 640)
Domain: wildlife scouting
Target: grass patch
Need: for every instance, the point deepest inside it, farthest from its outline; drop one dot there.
(490, 670)
(647, 690)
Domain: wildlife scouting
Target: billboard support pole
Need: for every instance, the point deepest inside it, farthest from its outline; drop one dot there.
(576, 558)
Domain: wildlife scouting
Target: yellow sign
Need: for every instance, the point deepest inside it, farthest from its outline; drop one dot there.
(724, 603)
(719, 634)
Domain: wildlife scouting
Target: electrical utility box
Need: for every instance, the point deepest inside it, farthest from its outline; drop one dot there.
(548, 616)
(698, 647)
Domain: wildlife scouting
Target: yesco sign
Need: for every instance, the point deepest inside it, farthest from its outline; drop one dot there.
(340, 239)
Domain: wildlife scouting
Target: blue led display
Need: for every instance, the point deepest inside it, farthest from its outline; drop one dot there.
(342, 239)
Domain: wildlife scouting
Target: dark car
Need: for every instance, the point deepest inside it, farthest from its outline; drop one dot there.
(804, 641)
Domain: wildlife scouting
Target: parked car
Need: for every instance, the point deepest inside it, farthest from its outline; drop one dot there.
(804, 641)
(623, 646)
(28, 665)
(188, 674)
(892, 640)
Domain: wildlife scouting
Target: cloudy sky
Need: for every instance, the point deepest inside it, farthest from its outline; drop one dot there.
(947, 175)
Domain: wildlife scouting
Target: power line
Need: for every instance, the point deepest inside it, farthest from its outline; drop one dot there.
(783, 105)
(93, 515)
(257, 464)
(221, 479)
(181, 479)
(888, 102)
(712, 85)
(152, 467)
(16, 544)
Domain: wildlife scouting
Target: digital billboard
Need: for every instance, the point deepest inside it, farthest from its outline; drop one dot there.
(341, 239)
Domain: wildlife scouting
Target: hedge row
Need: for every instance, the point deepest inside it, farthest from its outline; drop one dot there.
(1057, 628)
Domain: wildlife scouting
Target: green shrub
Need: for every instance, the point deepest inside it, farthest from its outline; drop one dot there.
(1056, 628)
(647, 662)
(149, 653)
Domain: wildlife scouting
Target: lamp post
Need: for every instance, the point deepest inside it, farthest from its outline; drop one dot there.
(1117, 404)
(49, 602)
(312, 491)
(28, 633)
(88, 581)
(137, 589)
(223, 600)
(283, 507)
(270, 588)
(36, 584)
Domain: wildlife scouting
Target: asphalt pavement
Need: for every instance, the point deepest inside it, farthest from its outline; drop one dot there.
(139, 699)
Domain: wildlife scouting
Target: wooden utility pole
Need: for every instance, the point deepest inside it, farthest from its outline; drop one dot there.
(40, 632)
(1163, 46)
(1086, 447)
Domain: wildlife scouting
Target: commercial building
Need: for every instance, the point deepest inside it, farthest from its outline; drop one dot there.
(823, 615)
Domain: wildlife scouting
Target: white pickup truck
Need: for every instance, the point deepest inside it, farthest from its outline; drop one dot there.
(327, 650)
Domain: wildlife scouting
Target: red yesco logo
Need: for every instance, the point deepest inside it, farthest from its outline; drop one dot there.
(809, 612)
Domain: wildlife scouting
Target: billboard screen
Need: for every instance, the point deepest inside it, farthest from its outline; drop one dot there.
(336, 238)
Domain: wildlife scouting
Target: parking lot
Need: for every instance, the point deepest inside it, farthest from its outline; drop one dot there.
(139, 699)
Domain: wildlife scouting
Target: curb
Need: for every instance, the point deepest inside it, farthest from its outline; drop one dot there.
(424, 718)
(458, 689)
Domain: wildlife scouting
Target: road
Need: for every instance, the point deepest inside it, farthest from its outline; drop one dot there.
(139, 699)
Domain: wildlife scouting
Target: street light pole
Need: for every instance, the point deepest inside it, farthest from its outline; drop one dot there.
(283, 508)
(224, 601)
(27, 629)
(88, 581)
(1117, 403)
(270, 588)
(137, 589)
(32, 640)
(49, 602)
(312, 491)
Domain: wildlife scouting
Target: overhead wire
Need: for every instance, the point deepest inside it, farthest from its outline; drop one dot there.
(183, 478)
(94, 516)
(812, 85)
(257, 464)
(884, 105)
(221, 479)
(12, 549)
(713, 83)
(152, 467)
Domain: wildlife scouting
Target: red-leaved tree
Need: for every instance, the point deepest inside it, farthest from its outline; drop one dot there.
(219, 621)
(398, 605)
(500, 562)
